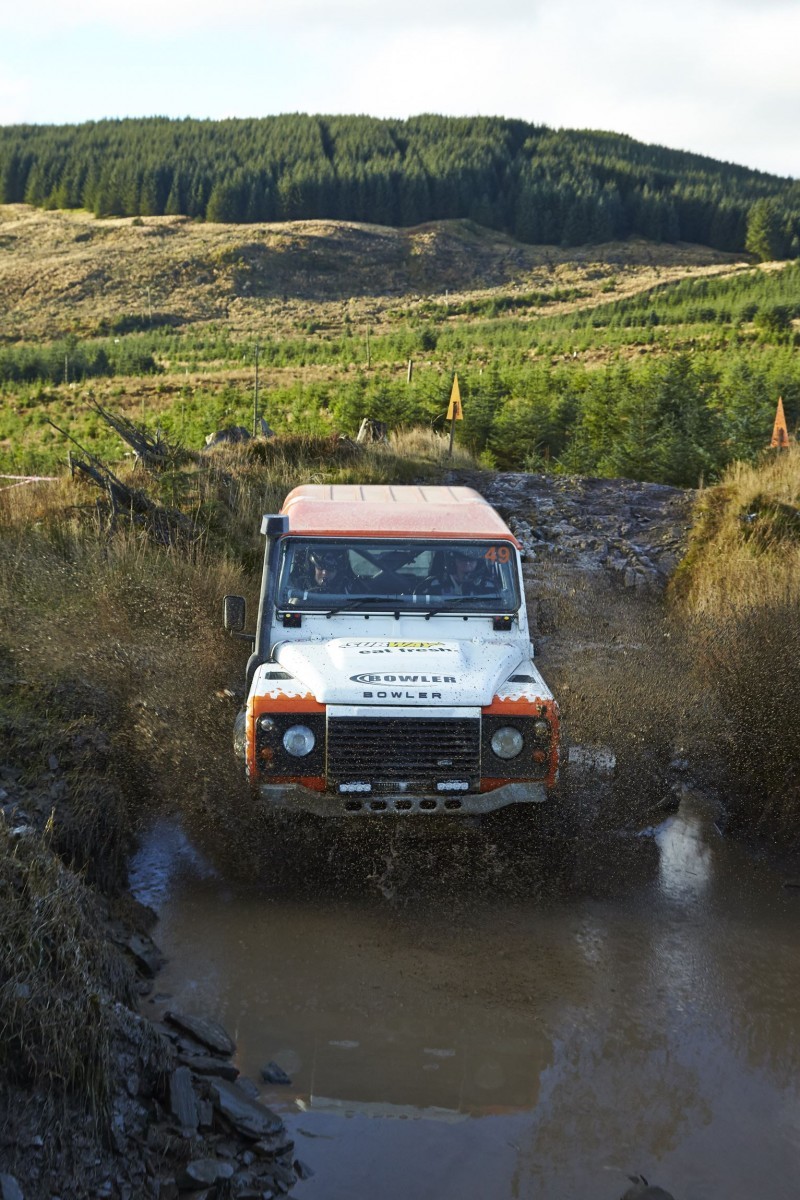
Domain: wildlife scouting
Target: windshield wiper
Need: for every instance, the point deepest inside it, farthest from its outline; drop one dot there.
(360, 601)
(454, 601)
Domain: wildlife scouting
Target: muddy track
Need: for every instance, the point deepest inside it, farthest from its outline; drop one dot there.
(598, 556)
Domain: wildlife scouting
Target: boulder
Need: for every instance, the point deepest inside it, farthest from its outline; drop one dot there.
(642, 1190)
(273, 1146)
(182, 1100)
(9, 1188)
(249, 1117)
(205, 1064)
(272, 1073)
(203, 1173)
(232, 433)
(249, 1088)
(145, 953)
(208, 1033)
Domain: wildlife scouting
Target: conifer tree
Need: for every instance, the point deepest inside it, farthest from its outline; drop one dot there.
(764, 232)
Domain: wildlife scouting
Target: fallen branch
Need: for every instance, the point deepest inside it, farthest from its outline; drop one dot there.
(150, 452)
(166, 525)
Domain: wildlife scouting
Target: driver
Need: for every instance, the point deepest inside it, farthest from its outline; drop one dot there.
(330, 567)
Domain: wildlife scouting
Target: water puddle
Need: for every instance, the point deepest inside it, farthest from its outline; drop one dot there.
(463, 1040)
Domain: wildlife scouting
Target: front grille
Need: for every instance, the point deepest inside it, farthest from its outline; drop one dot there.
(398, 748)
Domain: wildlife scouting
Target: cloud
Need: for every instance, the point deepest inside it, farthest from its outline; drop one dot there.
(14, 99)
(714, 76)
(166, 16)
(711, 87)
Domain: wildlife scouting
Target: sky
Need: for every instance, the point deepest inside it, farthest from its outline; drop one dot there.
(718, 77)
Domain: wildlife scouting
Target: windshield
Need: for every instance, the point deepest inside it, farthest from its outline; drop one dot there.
(426, 576)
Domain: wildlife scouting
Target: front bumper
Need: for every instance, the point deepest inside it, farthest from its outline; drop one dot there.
(293, 797)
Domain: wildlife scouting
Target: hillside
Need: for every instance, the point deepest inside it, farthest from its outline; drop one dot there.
(63, 272)
(653, 361)
(564, 187)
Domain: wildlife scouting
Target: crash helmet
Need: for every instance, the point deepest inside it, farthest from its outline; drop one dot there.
(328, 558)
(465, 551)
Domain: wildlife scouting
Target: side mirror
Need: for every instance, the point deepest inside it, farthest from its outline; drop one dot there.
(234, 613)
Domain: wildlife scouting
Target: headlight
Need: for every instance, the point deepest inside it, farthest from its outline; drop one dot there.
(266, 724)
(541, 730)
(507, 742)
(298, 740)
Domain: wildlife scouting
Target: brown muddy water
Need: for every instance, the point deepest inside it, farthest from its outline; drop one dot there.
(462, 1021)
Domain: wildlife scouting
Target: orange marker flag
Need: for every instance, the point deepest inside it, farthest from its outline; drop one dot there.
(454, 412)
(780, 433)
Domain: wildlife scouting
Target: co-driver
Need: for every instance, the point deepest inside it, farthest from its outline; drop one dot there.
(466, 573)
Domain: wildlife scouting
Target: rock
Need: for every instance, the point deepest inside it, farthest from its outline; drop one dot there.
(205, 1114)
(271, 1147)
(250, 1089)
(10, 1189)
(302, 1170)
(249, 1117)
(182, 1100)
(144, 952)
(642, 1190)
(208, 1033)
(203, 1173)
(226, 1148)
(162, 1030)
(272, 1073)
(233, 433)
(204, 1064)
(285, 1177)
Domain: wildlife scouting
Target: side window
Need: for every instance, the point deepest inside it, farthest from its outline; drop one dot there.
(298, 567)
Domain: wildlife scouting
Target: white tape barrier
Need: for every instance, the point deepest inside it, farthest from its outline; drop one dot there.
(23, 479)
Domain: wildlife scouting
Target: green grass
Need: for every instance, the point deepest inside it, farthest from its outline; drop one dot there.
(670, 385)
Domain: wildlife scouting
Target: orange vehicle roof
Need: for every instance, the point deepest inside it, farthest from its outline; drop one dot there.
(378, 510)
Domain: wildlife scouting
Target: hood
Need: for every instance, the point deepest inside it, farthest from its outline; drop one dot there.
(355, 670)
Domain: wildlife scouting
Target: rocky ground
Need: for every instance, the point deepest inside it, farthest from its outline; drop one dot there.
(633, 532)
(598, 556)
(179, 1120)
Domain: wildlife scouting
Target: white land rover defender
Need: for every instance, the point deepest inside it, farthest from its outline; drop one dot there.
(392, 669)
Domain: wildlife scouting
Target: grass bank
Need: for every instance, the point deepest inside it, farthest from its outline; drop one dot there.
(117, 695)
(739, 588)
